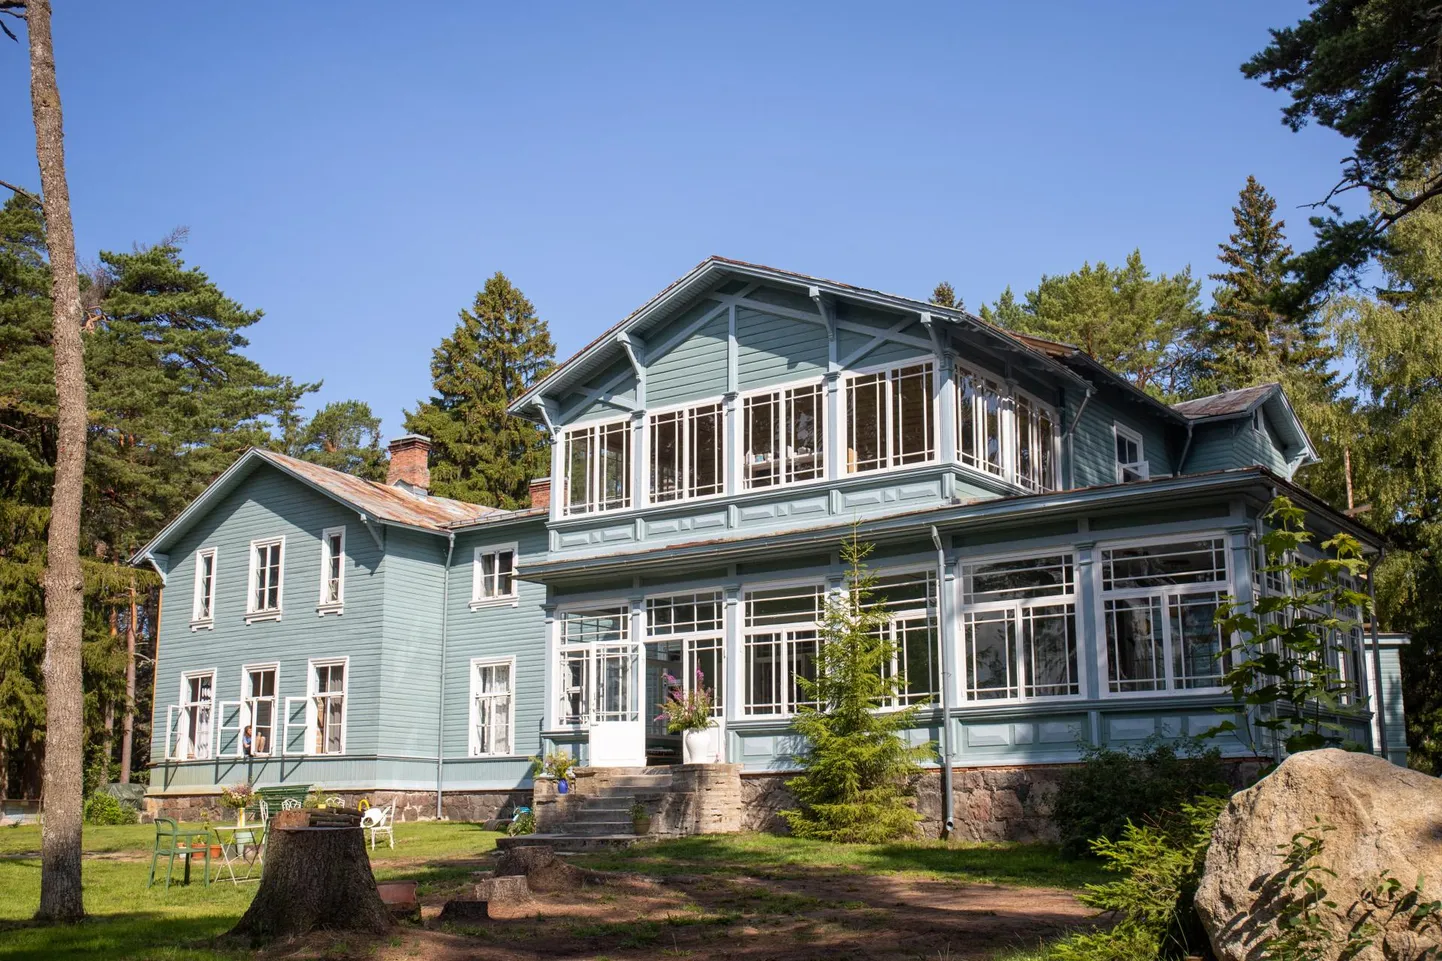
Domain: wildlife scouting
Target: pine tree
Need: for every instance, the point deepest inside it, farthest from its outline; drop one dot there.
(498, 350)
(343, 435)
(944, 295)
(857, 768)
(1134, 323)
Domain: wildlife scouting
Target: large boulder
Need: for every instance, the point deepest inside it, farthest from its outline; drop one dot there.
(1385, 819)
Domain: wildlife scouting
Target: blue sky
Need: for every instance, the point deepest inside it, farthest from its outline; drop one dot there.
(358, 171)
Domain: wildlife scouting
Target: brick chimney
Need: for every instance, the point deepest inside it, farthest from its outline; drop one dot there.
(541, 492)
(410, 463)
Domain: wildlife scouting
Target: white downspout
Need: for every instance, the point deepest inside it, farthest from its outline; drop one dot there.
(441, 713)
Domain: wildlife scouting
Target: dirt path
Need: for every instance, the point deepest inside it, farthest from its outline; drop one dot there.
(794, 917)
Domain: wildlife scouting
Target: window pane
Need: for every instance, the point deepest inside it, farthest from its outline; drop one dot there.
(805, 436)
(1011, 580)
(1050, 651)
(606, 624)
(505, 573)
(783, 605)
(666, 457)
(763, 658)
(616, 466)
(1160, 565)
(1134, 644)
(990, 655)
(760, 417)
(867, 429)
(911, 412)
(1025, 455)
(1196, 640)
(706, 452)
(1046, 477)
(578, 461)
(966, 426)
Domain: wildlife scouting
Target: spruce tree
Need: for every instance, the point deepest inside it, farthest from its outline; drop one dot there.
(858, 769)
(944, 295)
(498, 350)
(343, 435)
(1252, 333)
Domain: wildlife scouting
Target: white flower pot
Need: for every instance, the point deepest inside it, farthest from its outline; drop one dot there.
(698, 747)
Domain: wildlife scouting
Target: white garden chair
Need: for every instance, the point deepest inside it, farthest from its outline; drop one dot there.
(381, 820)
(290, 804)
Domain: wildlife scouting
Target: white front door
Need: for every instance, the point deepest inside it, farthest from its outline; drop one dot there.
(618, 734)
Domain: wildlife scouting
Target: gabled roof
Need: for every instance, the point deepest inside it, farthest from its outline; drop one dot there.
(605, 350)
(377, 503)
(1237, 404)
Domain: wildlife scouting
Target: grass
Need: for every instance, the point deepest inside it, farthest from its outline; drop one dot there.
(1029, 865)
(127, 922)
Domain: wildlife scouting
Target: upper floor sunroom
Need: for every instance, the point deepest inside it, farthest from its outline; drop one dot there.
(740, 381)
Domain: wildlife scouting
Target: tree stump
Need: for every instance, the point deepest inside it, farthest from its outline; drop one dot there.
(314, 878)
(543, 871)
(504, 891)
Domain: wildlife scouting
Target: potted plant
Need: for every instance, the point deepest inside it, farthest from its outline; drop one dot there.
(237, 798)
(558, 766)
(688, 713)
(640, 818)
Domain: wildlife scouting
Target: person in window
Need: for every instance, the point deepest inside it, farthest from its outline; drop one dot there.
(246, 742)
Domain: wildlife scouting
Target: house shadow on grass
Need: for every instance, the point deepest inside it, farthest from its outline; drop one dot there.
(118, 937)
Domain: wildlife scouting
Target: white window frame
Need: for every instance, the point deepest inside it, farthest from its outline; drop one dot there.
(931, 610)
(1140, 467)
(1009, 431)
(594, 503)
(312, 726)
(783, 401)
(591, 653)
(184, 702)
(892, 459)
(1018, 609)
(712, 638)
(247, 706)
(199, 621)
(1167, 594)
(479, 599)
(686, 416)
(475, 695)
(324, 604)
(252, 614)
(788, 639)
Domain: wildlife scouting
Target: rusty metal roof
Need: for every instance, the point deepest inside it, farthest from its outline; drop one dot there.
(381, 501)
(1225, 404)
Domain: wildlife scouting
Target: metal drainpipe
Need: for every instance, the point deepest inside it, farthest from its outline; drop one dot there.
(1186, 449)
(947, 814)
(441, 713)
(1070, 443)
(1377, 657)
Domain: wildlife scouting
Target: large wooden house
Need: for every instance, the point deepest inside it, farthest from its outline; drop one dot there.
(1051, 544)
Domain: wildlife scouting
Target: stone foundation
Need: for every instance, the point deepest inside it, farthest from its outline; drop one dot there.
(470, 806)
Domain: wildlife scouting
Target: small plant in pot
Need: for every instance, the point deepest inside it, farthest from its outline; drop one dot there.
(557, 766)
(640, 818)
(688, 713)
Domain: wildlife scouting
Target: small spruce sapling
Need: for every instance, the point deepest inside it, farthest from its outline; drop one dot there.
(858, 768)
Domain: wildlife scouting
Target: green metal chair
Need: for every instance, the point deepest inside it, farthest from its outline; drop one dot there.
(171, 842)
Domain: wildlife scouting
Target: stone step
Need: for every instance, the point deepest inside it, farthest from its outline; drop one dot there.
(573, 843)
(595, 828)
(635, 782)
(589, 804)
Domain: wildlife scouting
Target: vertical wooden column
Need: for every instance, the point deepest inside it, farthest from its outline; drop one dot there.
(735, 655)
(1091, 637)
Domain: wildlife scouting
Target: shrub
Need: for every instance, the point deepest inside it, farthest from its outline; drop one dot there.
(1144, 785)
(1161, 866)
(101, 808)
(523, 823)
(857, 768)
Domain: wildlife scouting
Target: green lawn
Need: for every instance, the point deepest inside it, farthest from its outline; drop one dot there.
(130, 923)
(1029, 865)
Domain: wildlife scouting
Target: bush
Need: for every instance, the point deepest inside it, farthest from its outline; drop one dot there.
(101, 808)
(1153, 903)
(524, 823)
(1144, 785)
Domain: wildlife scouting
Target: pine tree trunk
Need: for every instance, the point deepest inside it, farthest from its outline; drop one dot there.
(314, 878)
(60, 893)
(127, 732)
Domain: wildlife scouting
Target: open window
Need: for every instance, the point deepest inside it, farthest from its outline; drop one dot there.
(258, 694)
(493, 576)
(1131, 464)
(332, 572)
(266, 572)
(195, 731)
(202, 614)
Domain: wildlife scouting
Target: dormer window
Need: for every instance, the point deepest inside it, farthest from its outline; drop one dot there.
(1130, 464)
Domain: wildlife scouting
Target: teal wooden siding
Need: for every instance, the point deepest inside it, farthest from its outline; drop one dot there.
(775, 350)
(693, 370)
(1229, 444)
(576, 407)
(495, 632)
(270, 504)
(411, 663)
(1094, 450)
